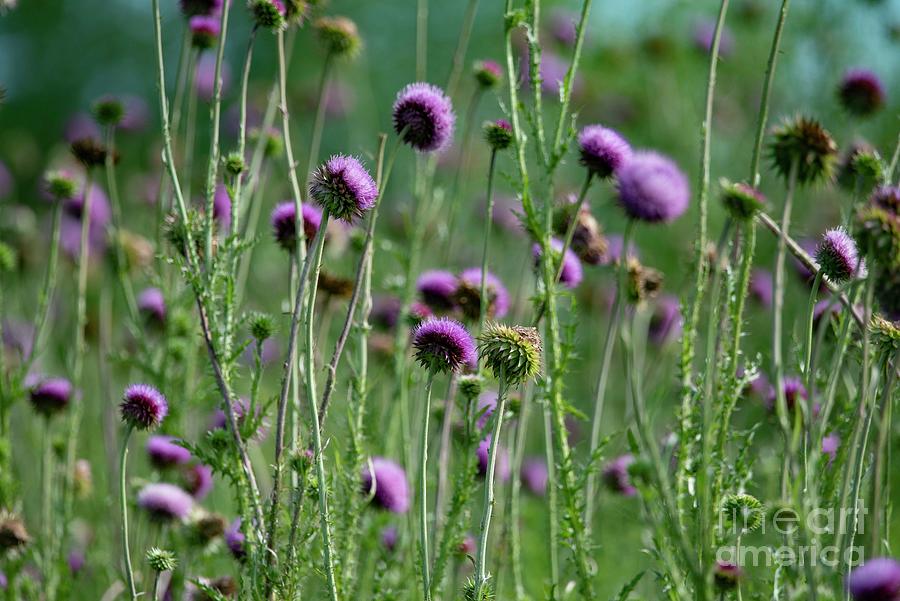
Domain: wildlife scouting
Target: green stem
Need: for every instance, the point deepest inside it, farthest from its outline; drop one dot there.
(612, 334)
(483, 303)
(481, 576)
(123, 506)
(880, 486)
(48, 288)
(462, 45)
(580, 31)
(423, 491)
(808, 333)
(319, 123)
(113, 188)
(573, 225)
(47, 501)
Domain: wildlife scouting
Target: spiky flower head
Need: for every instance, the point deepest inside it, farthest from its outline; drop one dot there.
(511, 352)
(109, 110)
(743, 512)
(603, 150)
(885, 334)
(652, 188)
(262, 326)
(470, 385)
(498, 134)
(861, 92)
(838, 256)
(60, 185)
(443, 345)
(161, 560)
(165, 502)
(89, 152)
(205, 31)
(487, 73)
(284, 224)
(860, 169)
(741, 201)
(470, 590)
(13, 534)
(51, 396)
(642, 283)
(468, 295)
(343, 187)
(423, 115)
(338, 35)
(269, 14)
(234, 164)
(726, 575)
(143, 407)
(803, 142)
(877, 579)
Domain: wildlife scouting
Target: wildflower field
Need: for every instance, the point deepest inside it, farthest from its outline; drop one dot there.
(438, 301)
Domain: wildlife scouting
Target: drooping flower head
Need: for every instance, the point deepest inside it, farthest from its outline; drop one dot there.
(423, 114)
(616, 477)
(838, 256)
(143, 407)
(343, 187)
(603, 150)
(512, 353)
(443, 345)
(861, 92)
(284, 224)
(805, 143)
(51, 396)
(572, 273)
(652, 188)
(437, 288)
(876, 580)
(741, 201)
(165, 452)
(468, 295)
(589, 243)
(483, 453)
(165, 502)
(152, 304)
(534, 475)
(389, 480)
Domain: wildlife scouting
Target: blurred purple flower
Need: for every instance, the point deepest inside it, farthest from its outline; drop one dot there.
(81, 126)
(198, 480)
(483, 452)
(534, 475)
(830, 446)
(389, 538)
(152, 304)
(705, 30)
(437, 288)
(391, 487)
(666, 322)
(652, 188)
(876, 580)
(234, 540)
(572, 272)
(165, 452)
(205, 77)
(761, 287)
(165, 502)
(616, 477)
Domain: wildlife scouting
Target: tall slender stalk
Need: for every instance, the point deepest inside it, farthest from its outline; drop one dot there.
(483, 304)
(123, 508)
(319, 123)
(48, 289)
(423, 491)
(481, 576)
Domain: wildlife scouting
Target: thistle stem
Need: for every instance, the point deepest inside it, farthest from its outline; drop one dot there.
(319, 123)
(423, 491)
(483, 300)
(48, 289)
(481, 576)
(123, 506)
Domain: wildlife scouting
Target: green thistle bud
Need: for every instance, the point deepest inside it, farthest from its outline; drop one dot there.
(109, 111)
(740, 200)
(262, 326)
(878, 232)
(498, 134)
(885, 334)
(60, 185)
(487, 591)
(234, 163)
(161, 560)
(470, 385)
(272, 140)
(860, 169)
(511, 352)
(807, 144)
(297, 10)
(744, 511)
(8, 257)
(488, 74)
(267, 15)
(338, 35)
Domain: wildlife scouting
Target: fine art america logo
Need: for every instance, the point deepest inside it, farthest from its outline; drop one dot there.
(825, 537)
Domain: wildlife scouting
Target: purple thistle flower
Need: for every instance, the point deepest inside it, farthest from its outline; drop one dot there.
(143, 407)
(603, 150)
(838, 256)
(17, 337)
(488, 73)
(563, 26)
(391, 487)
(705, 31)
(4, 582)
(75, 560)
(137, 114)
(615, 475)
(861, 92)
(386, 311)
(652, 188)
(284, 225)
(205, 30)
(423, 114)
(165, 452)
(151, 303)
(666, 322)
(222, 207)
(572, 273)
(198, 480)
(70, 227)
(343, 187)
(468, 545)
(506, 214)
(483, 453)
(51, 396)
(241, 407)
(389, 537)
(234, 540)
(553, 71)
(498, 296)
(443, 345)
(793, 390)
(876, 580)
(534, 475)
(761, 287)
(830, 446)
(437, 288)
(165, 502)
(726, 575)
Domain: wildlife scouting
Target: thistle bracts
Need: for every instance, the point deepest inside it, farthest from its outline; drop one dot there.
(511, 352)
